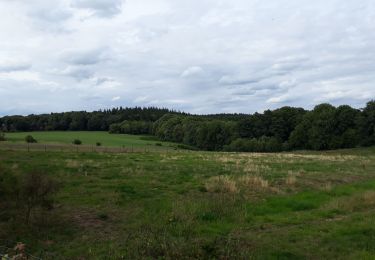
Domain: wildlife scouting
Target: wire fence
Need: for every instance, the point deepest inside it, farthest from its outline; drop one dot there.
(82, 148)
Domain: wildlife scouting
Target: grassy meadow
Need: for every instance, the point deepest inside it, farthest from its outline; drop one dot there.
(87, 138)
(199, 205)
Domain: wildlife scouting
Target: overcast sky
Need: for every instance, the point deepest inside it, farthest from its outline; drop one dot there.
(200, 56)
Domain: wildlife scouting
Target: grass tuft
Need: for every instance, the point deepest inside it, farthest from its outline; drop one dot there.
(253, 182)
(221, 184)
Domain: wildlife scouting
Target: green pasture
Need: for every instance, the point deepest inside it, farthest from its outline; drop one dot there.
(87, 138)
(198, 205)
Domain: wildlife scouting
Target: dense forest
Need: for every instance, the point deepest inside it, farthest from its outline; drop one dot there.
(80, 121)
(323, 128)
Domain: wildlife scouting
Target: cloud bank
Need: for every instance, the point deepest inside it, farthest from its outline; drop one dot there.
(201, 56)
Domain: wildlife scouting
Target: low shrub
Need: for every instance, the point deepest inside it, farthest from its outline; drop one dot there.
(30, 139)
(77, 142)
(36, 190)
(98, 144)
(24, 193)
(2, 137)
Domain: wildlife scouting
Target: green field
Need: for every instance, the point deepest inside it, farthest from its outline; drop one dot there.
(199, 205)
(87, 138)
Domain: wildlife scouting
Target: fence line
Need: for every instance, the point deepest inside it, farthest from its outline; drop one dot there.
(81, 148)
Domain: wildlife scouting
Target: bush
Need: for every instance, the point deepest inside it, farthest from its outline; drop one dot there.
(26, 192)
(2, 137)
(77, 142)
(36, 191)
(98, 144)
(30, 139)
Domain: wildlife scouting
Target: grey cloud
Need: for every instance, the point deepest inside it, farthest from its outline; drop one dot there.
(47, 16)
(51, 15)
(100, 81)
(85, 57)
(79, 73)
(102, 8)
(9, 66)
(228, 80)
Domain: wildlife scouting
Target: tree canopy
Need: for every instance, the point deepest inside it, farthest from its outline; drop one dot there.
(287, 128)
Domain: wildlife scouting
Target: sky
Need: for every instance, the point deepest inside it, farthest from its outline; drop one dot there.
(198, 56)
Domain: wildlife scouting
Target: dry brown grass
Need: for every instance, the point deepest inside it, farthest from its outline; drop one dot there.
(72, 163)
(221, 184)
(253, 182)
(291, 179)
(327, 186)
(365, 200)
(255, 168)
(368, 197)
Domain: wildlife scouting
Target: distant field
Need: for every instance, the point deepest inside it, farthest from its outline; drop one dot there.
(199, 205)
(87, 138)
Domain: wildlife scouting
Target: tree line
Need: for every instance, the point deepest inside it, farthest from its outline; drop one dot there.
(80, 121)
(323, 128)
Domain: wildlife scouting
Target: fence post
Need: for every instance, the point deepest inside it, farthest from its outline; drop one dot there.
(28, 147)
(45, 148)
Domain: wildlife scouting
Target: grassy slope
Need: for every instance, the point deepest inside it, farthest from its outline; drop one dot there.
(156, 205)
(88, 138)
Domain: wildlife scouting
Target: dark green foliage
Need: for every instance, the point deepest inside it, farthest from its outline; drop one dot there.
(77, 142)
(98, 144)
(30, 139)
(325, 127)
(209, 135)
(263, 144)
(81, 120)
(132, 127)
(367, 124)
